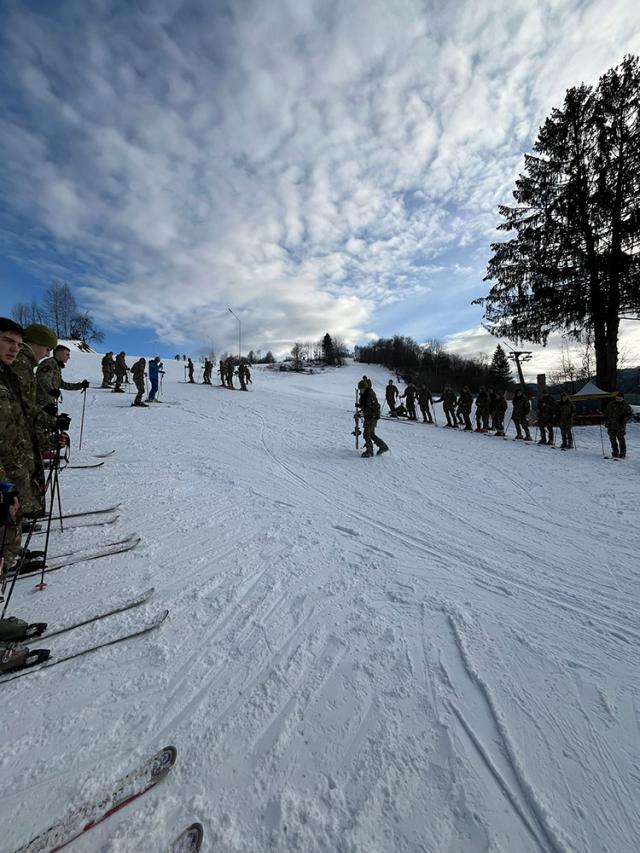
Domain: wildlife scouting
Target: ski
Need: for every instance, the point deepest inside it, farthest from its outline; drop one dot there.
(80, 524)
(103, 455)
(78, 467)
(398, 420)
(189, 841)
(90, 814)
(49, 662)
(127, 605)
(107, 551)
(106, 509)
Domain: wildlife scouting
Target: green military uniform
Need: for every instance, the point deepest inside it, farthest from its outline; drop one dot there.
(424, 401)
(482, 410)
(190, 370)
(43, 421)
(464, 406)
(120, 370)
(19, 457)
(243, 370)
(49, 380)
(519, 415)
(409, 394)
(449, 401)
(617, 414)
(107, 370)
(498, 412)
(138, 375)
(391, 393)
(228, 372)
(368, 404)
(565, 412)
(546, 417)
(222, 379)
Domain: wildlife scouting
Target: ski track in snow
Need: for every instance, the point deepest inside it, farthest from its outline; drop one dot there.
(435, 650)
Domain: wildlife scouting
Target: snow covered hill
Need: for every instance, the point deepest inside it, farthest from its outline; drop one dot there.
(434, 650)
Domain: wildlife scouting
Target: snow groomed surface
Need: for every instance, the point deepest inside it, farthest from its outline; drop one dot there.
(435, 650)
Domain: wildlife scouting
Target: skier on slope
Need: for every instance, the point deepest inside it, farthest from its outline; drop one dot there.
(391, 393)
(190, 369)
(482, 410)
(107, 365)
(449, 401)
(566, 412)
(465, 404)
(520, 409)
(121, 372)
(546, 417)
(138, 373)
(424, 399)
(49, 377)
(616, 417)
(368, 404)
(409, 394)
(498, 412)
(155, 371)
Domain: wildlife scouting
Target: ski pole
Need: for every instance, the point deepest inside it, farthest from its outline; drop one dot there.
(84, 403)
(55, 490)
(604, 455)
(19, 566)
(573, 439)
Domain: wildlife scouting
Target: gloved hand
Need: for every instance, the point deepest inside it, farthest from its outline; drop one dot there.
(85, 384)
(63, 422)
(55, 392)
(9, 503)
(63, 439)
(50, 409)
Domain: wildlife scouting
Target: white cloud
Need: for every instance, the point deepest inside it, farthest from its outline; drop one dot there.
(306, 163)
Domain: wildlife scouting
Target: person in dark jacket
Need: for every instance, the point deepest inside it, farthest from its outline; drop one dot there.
(565, 412)
(546, 417)
(368, 404)
(409, 394)
(520, 415)
(616, 417)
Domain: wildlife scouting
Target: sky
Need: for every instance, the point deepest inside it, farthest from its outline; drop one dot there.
(315, 165)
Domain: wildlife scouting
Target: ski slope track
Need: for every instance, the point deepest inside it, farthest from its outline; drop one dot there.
(435, 650)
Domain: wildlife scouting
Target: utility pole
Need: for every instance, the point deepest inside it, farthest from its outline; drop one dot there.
(239, 334)
(518, 357)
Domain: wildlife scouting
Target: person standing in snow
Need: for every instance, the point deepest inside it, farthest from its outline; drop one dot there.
(465, 404)
(424, 399)
(49, 377)
(391, 394)
(482, 410)
(138, 373)
(449, 401)
(546, 417)
(368, 404)
(616, 417)
(498, 412)
(520, 415)
(409, 394)
(121, 372)
(107, 370)
(190, 369)
(566, 411)
(155, 371)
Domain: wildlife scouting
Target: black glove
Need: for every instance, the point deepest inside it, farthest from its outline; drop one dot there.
(85, 384)
(8, 496)
(50, 409)
(55, 392)
(63, 422)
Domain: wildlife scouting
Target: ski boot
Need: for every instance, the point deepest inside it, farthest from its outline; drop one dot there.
(382, 449)
(16, 656)
(13, 629)
(366, 454)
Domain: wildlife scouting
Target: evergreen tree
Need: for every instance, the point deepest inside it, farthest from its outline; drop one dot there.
(328, 350)
(573, 264)
(500, 368)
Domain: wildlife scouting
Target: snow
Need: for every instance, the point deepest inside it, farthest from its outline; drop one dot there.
(434, 650)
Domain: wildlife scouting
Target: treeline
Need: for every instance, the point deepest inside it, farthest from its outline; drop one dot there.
(328, 350)
(432, 364)
(59, 311)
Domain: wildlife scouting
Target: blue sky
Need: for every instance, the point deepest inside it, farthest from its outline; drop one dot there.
(317, 166)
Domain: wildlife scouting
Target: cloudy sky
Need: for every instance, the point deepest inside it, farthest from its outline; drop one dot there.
(317, 165)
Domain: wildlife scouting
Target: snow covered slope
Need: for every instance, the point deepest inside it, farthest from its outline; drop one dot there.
(434, 650)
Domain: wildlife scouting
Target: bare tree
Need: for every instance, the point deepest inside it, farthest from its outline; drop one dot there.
(297, 354)
(566, 370)
(26, 313)
(84, 329)
(59, 308)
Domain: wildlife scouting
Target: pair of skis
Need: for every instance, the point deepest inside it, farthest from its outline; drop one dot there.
(132, 786)
(84, 556)
(39, 659)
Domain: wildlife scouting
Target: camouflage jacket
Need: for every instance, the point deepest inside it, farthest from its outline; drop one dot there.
(19, 455)
(410, 393)
(138, 369)
(521, 408)
(482, 402)
(424, 396)
(465, 402)
(617, 414)
(369, 403)
(499, 406)
(120, 366)
(24, 368)
(448, 398)
(391, 392)
(565, 411)
(49, 378)
(546, 409)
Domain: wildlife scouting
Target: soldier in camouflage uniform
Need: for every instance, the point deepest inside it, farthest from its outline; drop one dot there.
(424, 400)
(37, 343)
(498, 412)
(464, 406)
(565, 412)
(107, 370)
(228, 372)
(519, 415)
(121, 372)
(409, 394)
(243, 375)
(190, 370)
(391, 393)
(616, 417)
(49, 379)
(368, 404)
(449, 401)
(482, 410)
(20, 462)
(138, 374)
(546, 417)
(222, 380)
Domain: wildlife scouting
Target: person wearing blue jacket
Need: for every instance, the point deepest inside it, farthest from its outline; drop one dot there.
(155, 369)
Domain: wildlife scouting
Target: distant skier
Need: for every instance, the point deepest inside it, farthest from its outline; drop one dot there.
(616, 417)
(546, 417)
(155, 371)
(190, 369)
(107, 370)
(520, 412)
(243, 371)
(138, 374)
(368, 404)
(121, 372)
(566, 411)
(391, 394)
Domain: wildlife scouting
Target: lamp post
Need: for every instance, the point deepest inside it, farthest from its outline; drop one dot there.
(239, 333)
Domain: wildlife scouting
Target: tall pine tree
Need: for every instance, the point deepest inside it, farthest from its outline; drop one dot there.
(501, 369)
(574, 262)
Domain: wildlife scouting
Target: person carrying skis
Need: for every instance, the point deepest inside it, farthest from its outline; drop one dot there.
(519, 415)
(138, 374)
(498, 412)
(482, 410)
(155, 371)
(368, 404)
(424, 400)
(121, 372)
(410, 394)
(465, 403)
(546, 417)
(566, 411)
(449, 401)
(391, 393)
(616, 417)
(107, 370)
(49, 377)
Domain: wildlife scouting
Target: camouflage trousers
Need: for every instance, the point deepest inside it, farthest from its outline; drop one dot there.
(426, 413)
(140, 389)
(106, 377)
(120, 378)
(546, 432)
(369, 433)
(521, 425)
(450, 413)
(618, 441)
(567, 435)
(482, 419)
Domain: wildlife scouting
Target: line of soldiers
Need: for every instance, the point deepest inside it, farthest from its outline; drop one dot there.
(118, 370)
(31, 386)
(227, 369)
